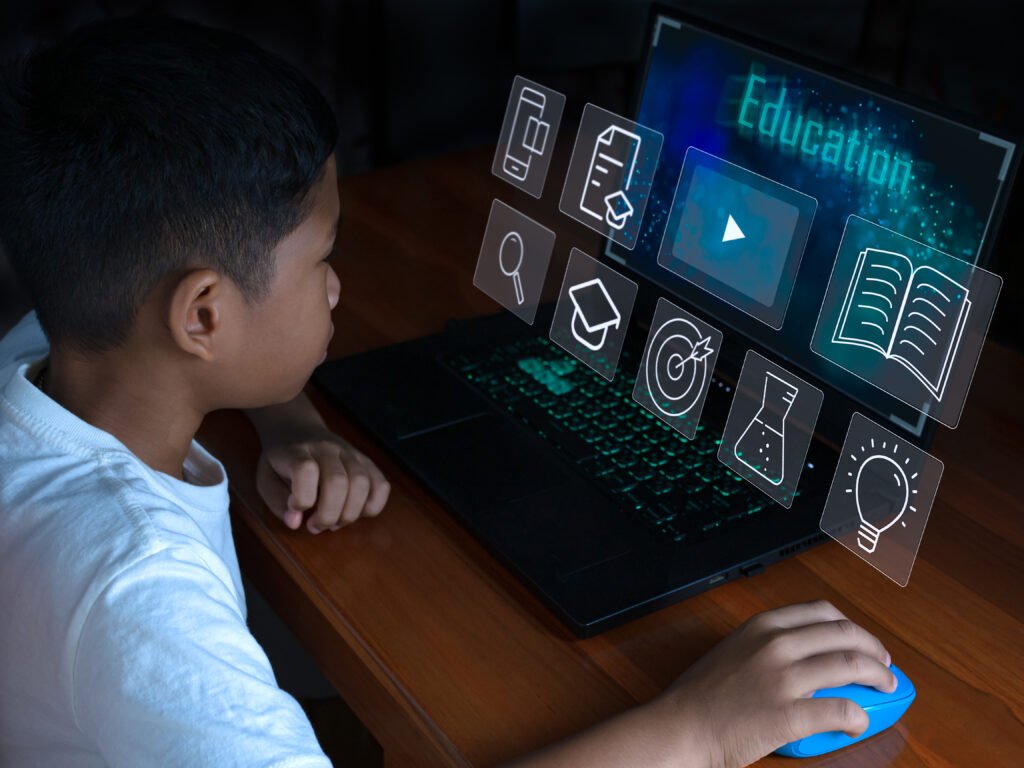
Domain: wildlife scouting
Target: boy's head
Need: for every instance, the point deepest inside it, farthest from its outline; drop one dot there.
(168, 191)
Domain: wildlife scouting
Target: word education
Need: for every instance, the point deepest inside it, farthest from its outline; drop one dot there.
(851, 149)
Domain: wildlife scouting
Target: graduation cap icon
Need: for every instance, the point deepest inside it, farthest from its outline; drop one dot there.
(594, 313)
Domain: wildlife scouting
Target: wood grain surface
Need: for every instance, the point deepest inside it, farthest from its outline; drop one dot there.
(451, 662)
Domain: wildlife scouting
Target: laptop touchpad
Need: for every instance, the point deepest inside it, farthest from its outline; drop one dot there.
(518, 495)
(481, 459)
(570, 527)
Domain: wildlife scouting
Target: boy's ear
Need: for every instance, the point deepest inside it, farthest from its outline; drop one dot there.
(196, 312)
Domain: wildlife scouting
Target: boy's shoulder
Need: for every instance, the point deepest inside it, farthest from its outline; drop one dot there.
(76, 504)
(24, 343)
(68, 518)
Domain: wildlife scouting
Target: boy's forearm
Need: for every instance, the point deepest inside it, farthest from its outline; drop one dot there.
(275, 420)
(654, 735)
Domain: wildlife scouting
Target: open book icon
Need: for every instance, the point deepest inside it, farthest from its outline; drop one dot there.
(914, 316)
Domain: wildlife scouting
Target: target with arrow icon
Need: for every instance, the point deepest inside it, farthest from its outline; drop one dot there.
(677, 367)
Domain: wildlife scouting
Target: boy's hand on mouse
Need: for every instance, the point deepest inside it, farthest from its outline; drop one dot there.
(752, 692)
(321, 473)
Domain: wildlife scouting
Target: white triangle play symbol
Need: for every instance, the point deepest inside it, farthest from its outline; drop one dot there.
(732, 231)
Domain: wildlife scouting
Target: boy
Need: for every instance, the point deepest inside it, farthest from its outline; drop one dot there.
(168, 197)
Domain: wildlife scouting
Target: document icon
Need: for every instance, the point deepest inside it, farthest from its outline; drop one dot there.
(610, 174)
(608, 177)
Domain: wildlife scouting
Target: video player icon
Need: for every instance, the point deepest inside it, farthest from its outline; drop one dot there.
(732, 231)
(737, 235)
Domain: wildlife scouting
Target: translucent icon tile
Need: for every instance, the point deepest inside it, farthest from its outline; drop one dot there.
(770, 426)
(905, 317)
(880, 498)
(513, 261)
(527, 139)
(610, 174)
(737, 235)
(677, 366)
(592, 314)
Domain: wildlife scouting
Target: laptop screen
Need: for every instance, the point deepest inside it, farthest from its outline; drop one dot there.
(853, 151)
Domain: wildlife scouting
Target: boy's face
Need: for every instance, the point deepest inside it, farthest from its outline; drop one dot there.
(285, 335)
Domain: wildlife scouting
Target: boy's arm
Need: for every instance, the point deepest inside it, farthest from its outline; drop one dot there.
(165, 672)
(746, 698)
(295, 414)
(306, 468)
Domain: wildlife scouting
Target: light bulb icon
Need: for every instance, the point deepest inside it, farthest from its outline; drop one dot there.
(882, 492)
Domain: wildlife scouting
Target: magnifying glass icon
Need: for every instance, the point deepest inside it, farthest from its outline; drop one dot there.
(510, 259)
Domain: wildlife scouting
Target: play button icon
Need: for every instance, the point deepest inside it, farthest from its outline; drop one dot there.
(732, 231)
(736, 234)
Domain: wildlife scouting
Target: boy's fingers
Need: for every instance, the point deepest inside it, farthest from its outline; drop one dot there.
(830, 670)
(799, 615)
(333, 490)
(380, 490)
(340, 487)
(304, 473)
(804, 717)
(358, 493)
(842, 635)
(272, 489)
(275, 493)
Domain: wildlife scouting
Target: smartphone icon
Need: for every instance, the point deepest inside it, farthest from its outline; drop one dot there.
(529, 134)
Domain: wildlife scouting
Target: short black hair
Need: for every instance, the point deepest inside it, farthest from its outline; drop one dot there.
(143, 146)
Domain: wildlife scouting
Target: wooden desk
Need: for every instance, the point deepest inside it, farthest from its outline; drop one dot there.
(450, 661)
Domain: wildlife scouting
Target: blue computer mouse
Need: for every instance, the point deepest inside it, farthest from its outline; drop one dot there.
(883, 709)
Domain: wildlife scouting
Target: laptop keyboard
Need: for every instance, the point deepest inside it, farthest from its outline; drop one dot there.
(677, 486)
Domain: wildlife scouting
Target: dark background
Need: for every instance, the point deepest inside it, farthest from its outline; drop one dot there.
(411, 78)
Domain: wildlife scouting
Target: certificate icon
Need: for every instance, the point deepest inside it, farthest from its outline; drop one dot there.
(610, 174)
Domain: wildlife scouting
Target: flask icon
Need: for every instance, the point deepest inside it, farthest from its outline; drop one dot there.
(762, 446)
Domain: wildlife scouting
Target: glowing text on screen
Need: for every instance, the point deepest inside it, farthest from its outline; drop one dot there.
(851, 147)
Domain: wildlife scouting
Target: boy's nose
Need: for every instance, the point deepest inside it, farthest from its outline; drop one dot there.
(333, 288)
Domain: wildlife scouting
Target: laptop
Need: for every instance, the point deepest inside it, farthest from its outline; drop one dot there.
(602, 510)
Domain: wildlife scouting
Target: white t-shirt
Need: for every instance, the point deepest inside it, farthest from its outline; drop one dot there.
(123, 639)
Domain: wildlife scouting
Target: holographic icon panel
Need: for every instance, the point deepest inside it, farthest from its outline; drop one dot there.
(770, 426)
(881, 497)
(905, 317)
(592, 313)
(610, 174)
(527, 140)
(677, 367)
(513, 262)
